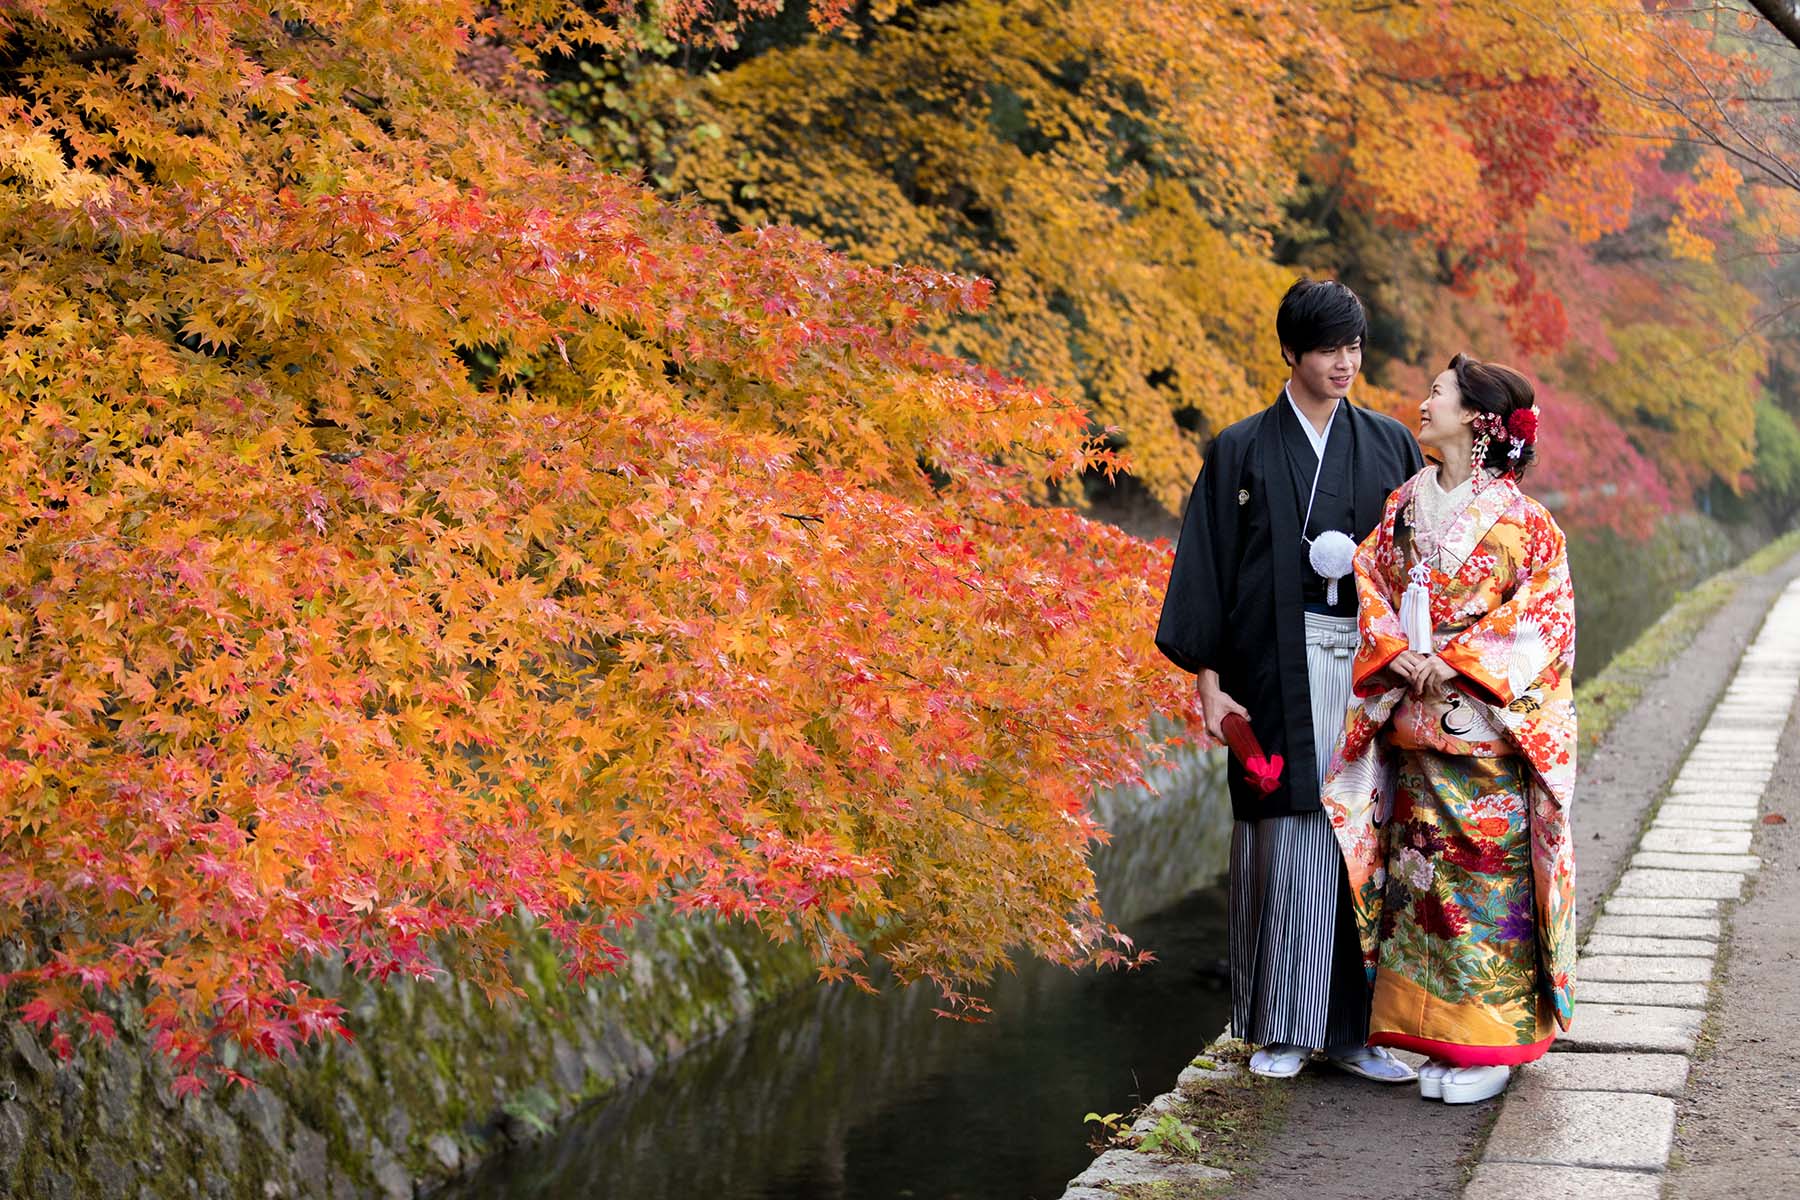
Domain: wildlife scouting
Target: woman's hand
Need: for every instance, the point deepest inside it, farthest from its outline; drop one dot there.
(1406, 664)
(1433, 674)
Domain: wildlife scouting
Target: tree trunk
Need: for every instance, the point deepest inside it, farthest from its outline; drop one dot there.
(1784, 15)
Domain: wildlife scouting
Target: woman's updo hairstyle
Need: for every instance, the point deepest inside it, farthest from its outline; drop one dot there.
(1498, 391)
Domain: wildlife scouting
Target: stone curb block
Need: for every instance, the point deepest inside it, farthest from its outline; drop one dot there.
(1699, 799)
(1641, 906)
(1741, 863)
(1698, 885)
(1631, 1130)
(1620, 925)
(1743, 824)
(1641, 1027)
(1663, 841)
(1660, 995)
(1651, 947)
(1659, 1074)
(1615, 925)
(1642, 968)
(1524, 1181)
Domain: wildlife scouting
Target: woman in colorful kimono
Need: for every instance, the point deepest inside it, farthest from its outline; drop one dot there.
(1450, 796)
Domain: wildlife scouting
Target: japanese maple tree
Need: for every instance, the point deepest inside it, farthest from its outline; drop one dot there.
(409, 529)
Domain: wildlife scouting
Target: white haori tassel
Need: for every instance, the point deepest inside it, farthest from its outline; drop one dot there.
(1415, 609)
(1332, 555)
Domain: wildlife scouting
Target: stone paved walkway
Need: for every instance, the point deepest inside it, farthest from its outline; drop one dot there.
(1596, 1117)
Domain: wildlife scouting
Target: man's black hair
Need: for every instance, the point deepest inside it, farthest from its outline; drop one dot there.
(1320, 313)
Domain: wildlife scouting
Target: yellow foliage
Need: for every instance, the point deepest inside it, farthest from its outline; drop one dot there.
(1130, 177)
(1684, 382)
(409, 528)
(1086, 158)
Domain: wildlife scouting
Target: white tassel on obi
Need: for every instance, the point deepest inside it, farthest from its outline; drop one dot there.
(1415, 609)
(1332, 554)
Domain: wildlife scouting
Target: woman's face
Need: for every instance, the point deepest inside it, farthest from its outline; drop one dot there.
(1443, 421)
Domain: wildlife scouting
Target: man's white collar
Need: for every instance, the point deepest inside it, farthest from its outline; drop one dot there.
(1314, 436)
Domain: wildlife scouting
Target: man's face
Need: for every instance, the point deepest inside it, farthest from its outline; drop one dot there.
(1326, 373)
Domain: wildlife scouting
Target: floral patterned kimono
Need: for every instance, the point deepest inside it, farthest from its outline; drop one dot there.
(1452, 809)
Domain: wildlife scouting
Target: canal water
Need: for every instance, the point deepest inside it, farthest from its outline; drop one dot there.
(834, 1095)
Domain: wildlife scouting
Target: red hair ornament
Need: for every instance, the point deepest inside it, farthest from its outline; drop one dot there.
(1521, 430)
(1522, 425)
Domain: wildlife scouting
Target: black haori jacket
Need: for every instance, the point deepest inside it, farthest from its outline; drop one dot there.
(1236, 594)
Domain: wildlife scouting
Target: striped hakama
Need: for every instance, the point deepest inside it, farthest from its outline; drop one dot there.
(1296, 968)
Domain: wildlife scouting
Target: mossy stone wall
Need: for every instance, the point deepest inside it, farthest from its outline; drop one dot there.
(436, 1077)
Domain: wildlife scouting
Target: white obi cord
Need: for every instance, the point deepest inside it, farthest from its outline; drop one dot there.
(1332, 553)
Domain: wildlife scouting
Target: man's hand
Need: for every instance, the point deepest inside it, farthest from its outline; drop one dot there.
(1216, 704)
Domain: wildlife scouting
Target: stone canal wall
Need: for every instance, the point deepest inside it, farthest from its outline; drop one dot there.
(437, 1077)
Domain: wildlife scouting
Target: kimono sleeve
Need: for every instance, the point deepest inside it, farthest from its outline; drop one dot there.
(1515, 647)
(1378, 605)
(1192, 627)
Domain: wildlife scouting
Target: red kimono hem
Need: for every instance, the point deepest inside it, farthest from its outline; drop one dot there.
(1458, 1055)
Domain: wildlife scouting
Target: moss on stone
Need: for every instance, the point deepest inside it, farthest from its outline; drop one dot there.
(1608, 696)
(430, 1061)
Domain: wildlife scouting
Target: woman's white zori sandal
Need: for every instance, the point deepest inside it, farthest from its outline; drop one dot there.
(1470, 1085)
(1431, 1079)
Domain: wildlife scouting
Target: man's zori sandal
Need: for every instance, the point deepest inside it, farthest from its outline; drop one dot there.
(1279, 1061)
(1374, 1063)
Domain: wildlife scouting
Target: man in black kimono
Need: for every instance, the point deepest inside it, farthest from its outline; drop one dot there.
(1271, 639)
